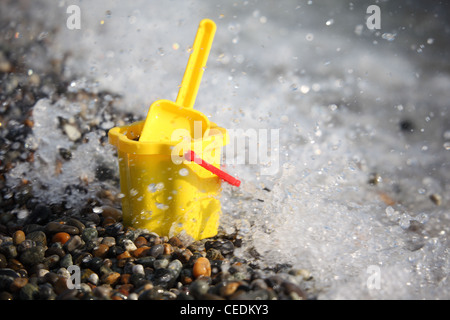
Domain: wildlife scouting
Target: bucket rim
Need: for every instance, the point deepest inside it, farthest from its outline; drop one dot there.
(122, 138)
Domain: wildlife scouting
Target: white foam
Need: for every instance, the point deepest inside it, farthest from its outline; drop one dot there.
(337, 96)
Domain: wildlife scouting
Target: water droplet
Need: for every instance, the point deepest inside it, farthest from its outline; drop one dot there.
(304, 89)
(152, 187)
(309, 37)
(133, 192)
(430, 40)
(162, 206)
(183, 172)
(329, 22)
(389, 36)
(447, 145)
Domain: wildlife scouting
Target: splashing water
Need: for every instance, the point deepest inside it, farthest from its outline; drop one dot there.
(350, 104)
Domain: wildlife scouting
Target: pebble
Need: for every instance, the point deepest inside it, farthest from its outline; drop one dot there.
(33, 256)
(29, 291)
(3, 261)
(18, 283)
(110, 278)
(225, 247)
(18, 237)
(140, 241)
(110, 212)
(138, 269)
(202, 268)
(73, 243)
(141, 251)
(198, 288)
(38, 236)
(160, 263)
(55, 227)
(156, 250)
(129, 245)
(62, 237)
(89, 234)
(109, 241)
(93, 278)
(100, 251)
(229, 288)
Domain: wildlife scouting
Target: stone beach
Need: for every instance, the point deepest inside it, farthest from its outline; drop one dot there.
(40, 240)
(358, 208)
(121, 263)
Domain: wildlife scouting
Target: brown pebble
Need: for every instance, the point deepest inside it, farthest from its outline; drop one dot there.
(125, 278)
(111, 278)
(140, 241)
(15, 264)
(110, 212)
(185, 255)
(60, 285)
(125, 289)
(436, 199)
(202, 267)
(18, 284)
(141, 252)
(18, 237)
(62, 237)
(229, 288)
(100, 251)
(168, 249)
(175, 242)
(124, 255)
(108, 221)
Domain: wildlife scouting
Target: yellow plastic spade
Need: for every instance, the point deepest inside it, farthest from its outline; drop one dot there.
(166, 116)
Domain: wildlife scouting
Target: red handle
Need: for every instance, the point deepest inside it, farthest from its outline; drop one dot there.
(191, 156)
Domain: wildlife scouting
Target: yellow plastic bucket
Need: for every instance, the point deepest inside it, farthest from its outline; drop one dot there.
(164, 195)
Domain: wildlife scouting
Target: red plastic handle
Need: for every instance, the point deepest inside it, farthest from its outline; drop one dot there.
(191, 156)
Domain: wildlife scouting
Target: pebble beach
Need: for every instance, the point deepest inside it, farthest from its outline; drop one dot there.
(39, 241)
(351, 204)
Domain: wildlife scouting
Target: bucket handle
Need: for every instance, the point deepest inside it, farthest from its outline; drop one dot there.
(191, 156)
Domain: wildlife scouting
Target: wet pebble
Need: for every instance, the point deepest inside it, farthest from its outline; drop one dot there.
(18, 237)
(38, 236)
(89, 234)
(100, 251)
(33, 255)
(55, 227)
(66, 261)
(198, 288)
(129, 245)
(156, 250)
(73, 243)
(61, 237)
(202, 268)
(225, 247)
(29, 291)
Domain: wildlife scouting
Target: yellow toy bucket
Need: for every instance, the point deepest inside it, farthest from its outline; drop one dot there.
(167, 196)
